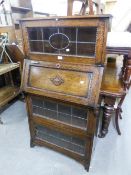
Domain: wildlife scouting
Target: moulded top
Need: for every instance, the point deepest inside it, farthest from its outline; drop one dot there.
(67, 17)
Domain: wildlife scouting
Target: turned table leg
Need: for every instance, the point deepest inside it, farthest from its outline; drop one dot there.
(108, 110)
(118, 114)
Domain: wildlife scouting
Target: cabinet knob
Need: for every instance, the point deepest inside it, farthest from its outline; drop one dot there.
(58, 65)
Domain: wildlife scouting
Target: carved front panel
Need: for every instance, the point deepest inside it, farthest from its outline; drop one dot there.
(62, 81)
(78, 84)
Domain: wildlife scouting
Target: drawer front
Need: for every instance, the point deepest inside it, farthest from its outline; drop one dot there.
(73, 83)
(60, 81)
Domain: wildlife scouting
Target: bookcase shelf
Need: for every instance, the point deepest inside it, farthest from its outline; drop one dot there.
(9, 86)
(7, 93)
(20, 9)
(4, 68)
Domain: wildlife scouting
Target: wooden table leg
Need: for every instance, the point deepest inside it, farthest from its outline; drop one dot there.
(127, 71)
(107, 113)
(117, 115)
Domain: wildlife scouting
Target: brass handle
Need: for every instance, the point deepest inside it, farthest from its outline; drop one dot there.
(57, 80)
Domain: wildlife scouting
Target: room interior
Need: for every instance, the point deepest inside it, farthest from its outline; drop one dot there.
(65, 77)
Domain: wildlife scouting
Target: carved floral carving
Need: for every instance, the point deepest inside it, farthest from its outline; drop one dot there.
(57, 80)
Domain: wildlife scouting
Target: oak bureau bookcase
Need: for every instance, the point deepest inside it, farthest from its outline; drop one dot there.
(62, 78)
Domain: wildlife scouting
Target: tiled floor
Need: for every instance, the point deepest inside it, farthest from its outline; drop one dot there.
(112, 155)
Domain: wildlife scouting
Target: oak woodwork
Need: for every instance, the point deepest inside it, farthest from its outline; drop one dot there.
(118, 114)
(100, 22)
(108, 110)
(79, 84)
(8, 93)
(9, 84)
(127, 71)
(115, 85)
(62, 89)
(4, 68)
(15, 53)
(112, 82)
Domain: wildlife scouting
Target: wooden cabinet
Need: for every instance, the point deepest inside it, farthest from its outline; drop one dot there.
(62, 126)
(70, 39)
(62, 78)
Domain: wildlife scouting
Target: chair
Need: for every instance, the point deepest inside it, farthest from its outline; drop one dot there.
(85, 4)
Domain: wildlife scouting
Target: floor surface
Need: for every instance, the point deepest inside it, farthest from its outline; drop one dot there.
(112, 155)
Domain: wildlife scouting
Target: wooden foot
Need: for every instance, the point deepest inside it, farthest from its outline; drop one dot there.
(87, 166)
(116, 121)
(108, 110)
(32, 143)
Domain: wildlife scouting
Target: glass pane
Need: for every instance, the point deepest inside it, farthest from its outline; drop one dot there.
(50, 105)
(79, 112)
(38, 110)
(64, 118)
(59, 41)
(50, 114)
(60, 139)
(70, 50)
(70, 32)
(48, 48)
(87, 34)
(60, 111)
(79, 122)
(84, 48)
(75, 41)
(35, 33)
(64, 109)
(47, 32)
(37, 102)
(36, 46)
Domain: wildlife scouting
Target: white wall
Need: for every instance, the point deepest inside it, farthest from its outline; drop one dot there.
(58, 7)
(121, 11)
(121, 15)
